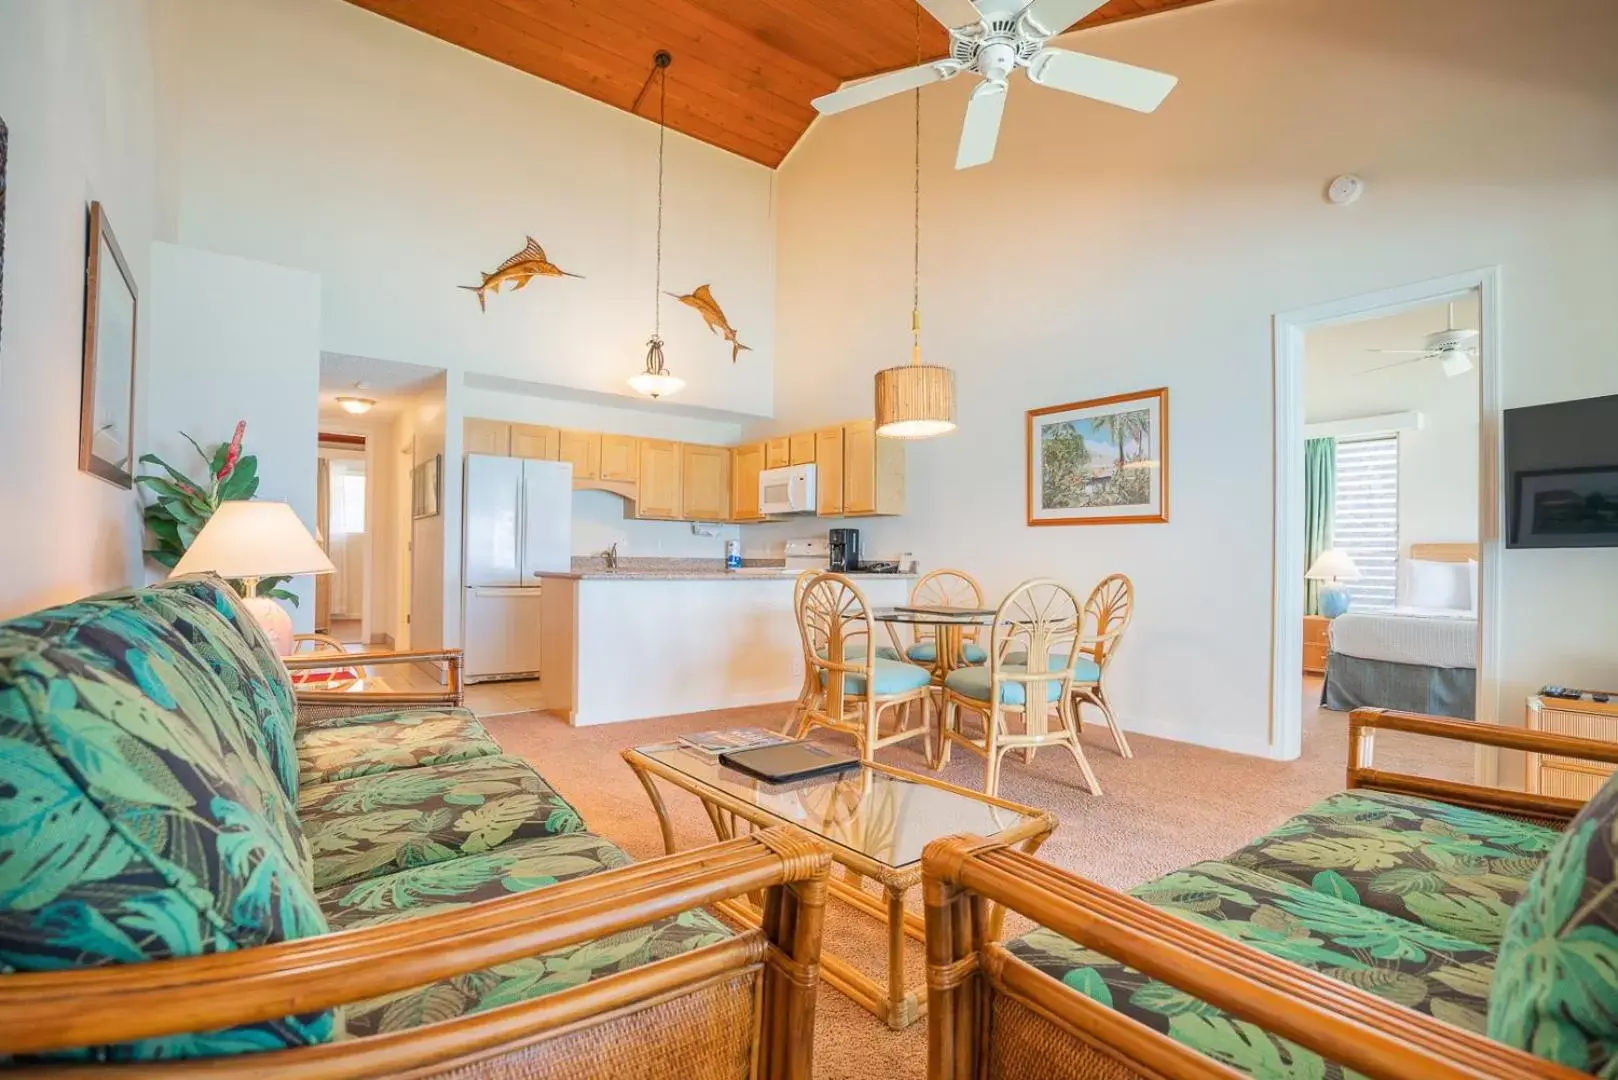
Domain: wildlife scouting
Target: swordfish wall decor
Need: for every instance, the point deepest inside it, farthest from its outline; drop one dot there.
(518, 270)
(702, 302)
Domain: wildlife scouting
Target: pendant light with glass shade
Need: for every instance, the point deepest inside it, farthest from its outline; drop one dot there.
(657, 380)
(915, 400)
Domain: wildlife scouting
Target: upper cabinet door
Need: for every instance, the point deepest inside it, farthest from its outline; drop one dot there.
(534, 442)
(486, 437)
(859, 467)
(801, 448)
(582, 449)
(659, 487)
(705, 483)
(620, 457)
(829, 471)
(778, 452)
(746, 463)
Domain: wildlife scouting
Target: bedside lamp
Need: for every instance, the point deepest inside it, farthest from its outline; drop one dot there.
(1333, 567)
(252, 540)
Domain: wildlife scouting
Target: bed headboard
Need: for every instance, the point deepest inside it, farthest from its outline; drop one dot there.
(1457, 553)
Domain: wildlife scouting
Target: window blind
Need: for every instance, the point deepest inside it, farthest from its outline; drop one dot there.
(1366, 513)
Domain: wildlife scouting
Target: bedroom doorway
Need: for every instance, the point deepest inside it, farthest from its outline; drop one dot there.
(1386, 540)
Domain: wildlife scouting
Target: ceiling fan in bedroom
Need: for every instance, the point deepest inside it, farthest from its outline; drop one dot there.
(1455, 350)
(991, 39)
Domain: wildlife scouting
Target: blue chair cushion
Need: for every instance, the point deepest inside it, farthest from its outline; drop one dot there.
(854, 649)
(973, 682)
(925, 652)
(892, 677)
(1085, 671)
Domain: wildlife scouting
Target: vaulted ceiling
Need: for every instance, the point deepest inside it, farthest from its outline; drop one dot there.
(744, 71)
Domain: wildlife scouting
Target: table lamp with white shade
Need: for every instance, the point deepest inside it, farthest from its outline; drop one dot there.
(1333, 567)
(253, 540)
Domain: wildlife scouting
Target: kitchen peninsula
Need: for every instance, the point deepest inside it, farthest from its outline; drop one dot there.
(637, 642)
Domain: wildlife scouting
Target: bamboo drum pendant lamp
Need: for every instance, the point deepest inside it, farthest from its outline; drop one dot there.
(915, 400)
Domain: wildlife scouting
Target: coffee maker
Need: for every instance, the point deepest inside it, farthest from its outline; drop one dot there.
(845, 549)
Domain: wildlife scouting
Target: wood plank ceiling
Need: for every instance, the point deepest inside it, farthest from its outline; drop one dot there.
(744, 71)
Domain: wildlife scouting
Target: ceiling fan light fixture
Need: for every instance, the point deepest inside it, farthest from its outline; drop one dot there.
(358, 406)
(1456, 364)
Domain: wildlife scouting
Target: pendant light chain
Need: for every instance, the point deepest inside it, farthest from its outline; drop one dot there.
(915, 265)
(662, 130)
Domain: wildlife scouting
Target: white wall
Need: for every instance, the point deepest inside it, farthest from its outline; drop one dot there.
(312, 133)
(236, 340)
(1103, 252)
(1438, 463)
(76, 93)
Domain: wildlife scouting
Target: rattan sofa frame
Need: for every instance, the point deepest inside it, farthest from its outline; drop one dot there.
(993, 1015)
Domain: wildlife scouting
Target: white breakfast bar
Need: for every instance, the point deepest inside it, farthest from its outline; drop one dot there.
(631, 644)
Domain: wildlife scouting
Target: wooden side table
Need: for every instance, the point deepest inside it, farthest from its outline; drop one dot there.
(1316, 643)
(1569, 777)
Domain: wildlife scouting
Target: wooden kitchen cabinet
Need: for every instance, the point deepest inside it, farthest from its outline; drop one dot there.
(534, 442)
(620, 458)
(746, 462)
(582, 449)
(801, 448)
(829, 471)
(660, 467)
(705, 483)
(778, 452)
(873, 471)
(486, 437)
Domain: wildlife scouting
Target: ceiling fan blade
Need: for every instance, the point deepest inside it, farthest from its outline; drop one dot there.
(1402, 352)
(1396, 363)
(982, 127)
(1051, 17)
(875, 89)
(1132, 87)
(952, 13)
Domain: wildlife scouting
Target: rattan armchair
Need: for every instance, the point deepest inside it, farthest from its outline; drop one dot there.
(992, 1014)
(742, 1007)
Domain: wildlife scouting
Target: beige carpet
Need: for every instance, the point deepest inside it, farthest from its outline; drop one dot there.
(1171, 804)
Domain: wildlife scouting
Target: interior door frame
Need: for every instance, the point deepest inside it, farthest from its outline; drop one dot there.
(1287, 543)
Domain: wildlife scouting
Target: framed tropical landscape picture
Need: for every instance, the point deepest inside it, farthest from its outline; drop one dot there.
(1100, 462)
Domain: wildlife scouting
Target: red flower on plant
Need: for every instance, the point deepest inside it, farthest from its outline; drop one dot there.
(233, 453)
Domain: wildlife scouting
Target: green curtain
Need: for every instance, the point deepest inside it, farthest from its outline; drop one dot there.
(1319, 493)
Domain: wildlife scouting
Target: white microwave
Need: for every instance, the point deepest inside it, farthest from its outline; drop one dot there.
(787, 490)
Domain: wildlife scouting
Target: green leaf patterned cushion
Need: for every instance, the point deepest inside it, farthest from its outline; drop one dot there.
(137, 819)
(374, 825)
(1556, 984)
(515, 867)
(385, 742)
(1404, 962)
(1446, 867)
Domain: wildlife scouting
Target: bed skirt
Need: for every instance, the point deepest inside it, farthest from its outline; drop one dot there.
(1354, 683)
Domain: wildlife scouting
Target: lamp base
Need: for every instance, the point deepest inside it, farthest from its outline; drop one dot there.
(1333, 601)
(275, 621)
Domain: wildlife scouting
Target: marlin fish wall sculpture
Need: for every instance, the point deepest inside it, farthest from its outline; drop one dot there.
(519, 270)
(704, 304)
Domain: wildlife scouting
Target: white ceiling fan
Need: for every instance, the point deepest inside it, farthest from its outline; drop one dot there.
(1454, 350)
(991, 39)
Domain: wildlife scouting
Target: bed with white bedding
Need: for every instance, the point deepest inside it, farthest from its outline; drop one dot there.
(1412, 658)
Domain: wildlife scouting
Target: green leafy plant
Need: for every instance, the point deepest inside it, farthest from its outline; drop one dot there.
(181, 506)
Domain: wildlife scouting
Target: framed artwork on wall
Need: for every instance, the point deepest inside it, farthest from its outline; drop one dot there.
(2, 229)
(426, 487)
(107, 393)
(1100, 462)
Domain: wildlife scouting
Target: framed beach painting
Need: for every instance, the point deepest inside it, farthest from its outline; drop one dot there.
(107, 393)
(1100, 462)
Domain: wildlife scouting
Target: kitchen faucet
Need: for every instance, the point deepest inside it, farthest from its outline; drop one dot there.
(611, 555)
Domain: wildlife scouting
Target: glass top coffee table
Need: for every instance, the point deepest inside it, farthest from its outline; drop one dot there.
(875, 821)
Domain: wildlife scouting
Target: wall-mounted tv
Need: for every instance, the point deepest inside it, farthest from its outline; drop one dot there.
(1561, 466)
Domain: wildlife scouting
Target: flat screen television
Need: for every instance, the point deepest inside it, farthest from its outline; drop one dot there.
(1561, 467)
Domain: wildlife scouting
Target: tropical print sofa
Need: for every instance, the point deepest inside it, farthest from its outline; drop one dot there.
(159, 800)
(1501, 924)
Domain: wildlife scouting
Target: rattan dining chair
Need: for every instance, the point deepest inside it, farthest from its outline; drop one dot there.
(945, 588)
(1041, 620)
(854, 687)
(1109, 610)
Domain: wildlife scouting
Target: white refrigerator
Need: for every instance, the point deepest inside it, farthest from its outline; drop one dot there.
(518, 523)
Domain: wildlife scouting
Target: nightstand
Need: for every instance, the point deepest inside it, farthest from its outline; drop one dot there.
(1567, 777)
(1316, 643)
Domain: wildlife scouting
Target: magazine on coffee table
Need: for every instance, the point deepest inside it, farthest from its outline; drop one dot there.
(713, 743)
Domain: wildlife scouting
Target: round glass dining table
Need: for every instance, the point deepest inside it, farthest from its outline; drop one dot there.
(948, 623)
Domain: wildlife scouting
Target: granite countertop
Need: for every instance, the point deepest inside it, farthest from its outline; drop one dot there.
(655, 569)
